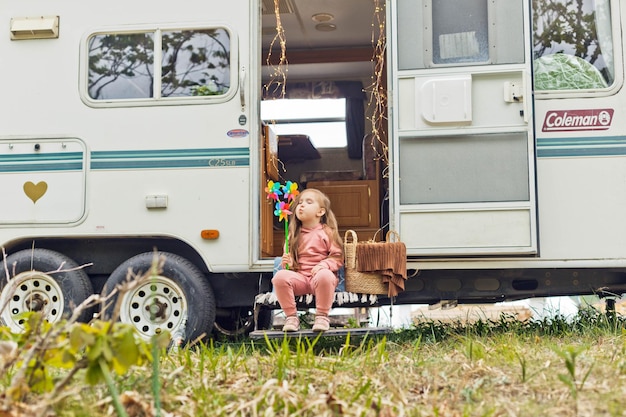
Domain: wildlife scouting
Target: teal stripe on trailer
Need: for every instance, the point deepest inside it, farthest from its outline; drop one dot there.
(581, 146)
(171, 153)
(72, 161)
(174, 158)
(65, 156)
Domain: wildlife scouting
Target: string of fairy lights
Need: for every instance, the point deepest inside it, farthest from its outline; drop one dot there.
(377, 89)
(278, 76)
(276, 87)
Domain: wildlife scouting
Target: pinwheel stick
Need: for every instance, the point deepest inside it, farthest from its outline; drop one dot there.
(287, 238)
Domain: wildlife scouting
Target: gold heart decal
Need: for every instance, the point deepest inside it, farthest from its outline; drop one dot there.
(35, 191)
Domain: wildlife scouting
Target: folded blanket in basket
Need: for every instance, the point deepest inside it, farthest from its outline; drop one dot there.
(386, 258)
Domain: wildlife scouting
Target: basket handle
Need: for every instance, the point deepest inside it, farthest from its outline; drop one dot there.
(351, 233)
(349, 249)
(390, 234)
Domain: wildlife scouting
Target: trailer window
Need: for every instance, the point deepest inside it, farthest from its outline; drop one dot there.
(437, 33)
(193, 63)
(460, 31)
(572, 44)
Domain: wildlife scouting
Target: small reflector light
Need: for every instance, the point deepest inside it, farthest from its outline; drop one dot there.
(210, 234)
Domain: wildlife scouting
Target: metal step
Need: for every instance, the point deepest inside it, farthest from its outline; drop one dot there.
(355, 331)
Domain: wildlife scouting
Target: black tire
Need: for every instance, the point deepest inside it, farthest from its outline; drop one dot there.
(241, 321)
(176, 298)
(42, 280)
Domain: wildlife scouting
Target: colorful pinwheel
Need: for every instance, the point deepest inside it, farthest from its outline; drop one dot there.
(273, 190)
(282, 211)
(288, 191)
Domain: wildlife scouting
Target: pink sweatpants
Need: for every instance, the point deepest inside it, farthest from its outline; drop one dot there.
(289, 284)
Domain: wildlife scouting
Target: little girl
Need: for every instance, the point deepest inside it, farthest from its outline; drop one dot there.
(310, 267)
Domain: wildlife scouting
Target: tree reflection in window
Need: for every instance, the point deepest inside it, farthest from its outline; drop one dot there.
(193, 63)
(121, 66)
(572, 44)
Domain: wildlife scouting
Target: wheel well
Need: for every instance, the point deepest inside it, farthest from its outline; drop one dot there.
(105, 254)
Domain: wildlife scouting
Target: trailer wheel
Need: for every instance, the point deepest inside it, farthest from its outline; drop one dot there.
(176, 298)
(42, 280)
(241, 321)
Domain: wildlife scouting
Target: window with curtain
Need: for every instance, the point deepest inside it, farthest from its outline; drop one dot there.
(460, 31)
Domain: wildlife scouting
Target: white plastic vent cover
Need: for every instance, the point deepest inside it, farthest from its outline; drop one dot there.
(447, 100)
(42, 27)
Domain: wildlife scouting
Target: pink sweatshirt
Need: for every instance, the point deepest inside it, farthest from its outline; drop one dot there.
(316, 247)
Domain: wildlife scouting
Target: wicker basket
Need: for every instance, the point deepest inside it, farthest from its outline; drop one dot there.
(360, 282)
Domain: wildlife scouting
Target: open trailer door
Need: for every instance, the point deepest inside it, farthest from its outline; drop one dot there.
(463, 145)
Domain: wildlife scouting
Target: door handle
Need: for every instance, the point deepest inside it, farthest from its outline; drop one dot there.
(242, 89)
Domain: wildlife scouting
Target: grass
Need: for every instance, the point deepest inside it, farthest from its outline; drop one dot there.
(503, 368)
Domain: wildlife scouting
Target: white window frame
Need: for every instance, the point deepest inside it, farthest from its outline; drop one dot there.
(157, 100)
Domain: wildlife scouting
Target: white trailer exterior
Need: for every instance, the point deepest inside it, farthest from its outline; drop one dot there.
(500, 189)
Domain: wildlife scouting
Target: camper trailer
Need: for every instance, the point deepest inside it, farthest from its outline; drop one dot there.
(490, 135)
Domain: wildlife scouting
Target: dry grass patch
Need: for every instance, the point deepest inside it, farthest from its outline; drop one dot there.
(500, 368)
(518, 371)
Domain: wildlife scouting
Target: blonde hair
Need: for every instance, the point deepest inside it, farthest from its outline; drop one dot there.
(328, 220)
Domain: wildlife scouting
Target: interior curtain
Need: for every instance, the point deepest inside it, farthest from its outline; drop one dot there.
(355, 127)
(353, 92)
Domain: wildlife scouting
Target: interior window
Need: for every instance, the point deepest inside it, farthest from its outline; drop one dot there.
(323, 120)
(193, 63)
(572, 44)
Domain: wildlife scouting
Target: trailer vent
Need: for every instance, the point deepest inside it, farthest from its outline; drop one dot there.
(284, 7)
(42, 27)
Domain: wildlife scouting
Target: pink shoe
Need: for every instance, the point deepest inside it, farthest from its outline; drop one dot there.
(292, 324)
(321, 324)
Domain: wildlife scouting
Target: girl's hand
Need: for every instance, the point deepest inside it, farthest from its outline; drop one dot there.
(316, 269)
(286, 260)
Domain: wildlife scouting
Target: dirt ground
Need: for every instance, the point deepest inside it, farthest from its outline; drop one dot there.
(473, 313)
(466, 314)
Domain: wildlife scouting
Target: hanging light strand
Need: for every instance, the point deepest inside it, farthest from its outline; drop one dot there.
(278, 75)
(377, 89)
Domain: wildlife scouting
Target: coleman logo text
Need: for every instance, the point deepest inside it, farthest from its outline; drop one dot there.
(567, 120)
